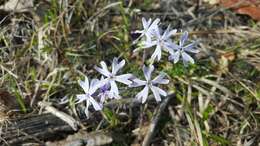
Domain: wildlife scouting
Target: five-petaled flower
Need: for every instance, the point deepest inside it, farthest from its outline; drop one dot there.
(112, 77)
(162, 42)
(181, 50)
(148, 28)
(150, 84)
(89, 89)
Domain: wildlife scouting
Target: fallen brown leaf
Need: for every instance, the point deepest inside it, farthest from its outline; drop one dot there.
(247, 7)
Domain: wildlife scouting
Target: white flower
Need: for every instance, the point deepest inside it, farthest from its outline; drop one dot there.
(89, 90)
(150, 84)
(162, 42)
(112, 77)
(148, 28)
(181, 50)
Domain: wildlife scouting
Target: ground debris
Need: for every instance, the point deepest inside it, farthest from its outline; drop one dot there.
(83, 138)
(17, 5)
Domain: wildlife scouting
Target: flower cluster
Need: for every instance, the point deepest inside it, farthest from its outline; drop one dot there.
(153, 35)
(106, 88)
(98, 91)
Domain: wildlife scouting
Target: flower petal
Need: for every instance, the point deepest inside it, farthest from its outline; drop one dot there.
(184, 37)
(117, 66)
(157, 53)
(114, 87)
(137, 82)
(154, 25)
(81, 97)
(187, 58)
(160, 91)
(125, 79)
(94, 85)
(95, 104)
(155, 31)
(160, 79)
(168, 46)
(103, 82)
(84, 85)
(165, 33)
(175, 56)
(148, 71)
(114, 64)
(142, 95)
(156, 93)
(190, 48)
(175, 46)
(102, 97)
(168, 33)
(144, 22)
(102, 71)
(148, 44)
(171, 33)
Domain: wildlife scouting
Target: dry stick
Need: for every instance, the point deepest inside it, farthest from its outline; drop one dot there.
(222, 31)
(74, 124)
(154, 122)
(84, 138)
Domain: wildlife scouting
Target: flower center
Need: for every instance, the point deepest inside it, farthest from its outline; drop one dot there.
(181, 50)
(148, 83)
(112, 77)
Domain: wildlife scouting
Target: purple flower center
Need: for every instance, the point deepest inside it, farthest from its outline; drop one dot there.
(104, 88)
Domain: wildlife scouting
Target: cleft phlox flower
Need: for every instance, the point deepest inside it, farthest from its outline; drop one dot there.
(150, 84)
(89, 89)
(112, 77)
(181, 51)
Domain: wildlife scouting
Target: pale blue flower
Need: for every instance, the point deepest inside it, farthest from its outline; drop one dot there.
(162, 42)
(150, 84)
(89, 90)
(181, 51)
(148, 28)
(111, 77)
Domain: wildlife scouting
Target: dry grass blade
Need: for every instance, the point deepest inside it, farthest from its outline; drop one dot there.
(91, 21)
(199, 132)
(215, 84)
(251, 56)
(245, 86)
(63, 116)
(8, 71)
(191, 126)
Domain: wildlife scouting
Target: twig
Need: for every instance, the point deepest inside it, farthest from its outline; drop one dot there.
(235, 30)
(63, 116)
(154, 122)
